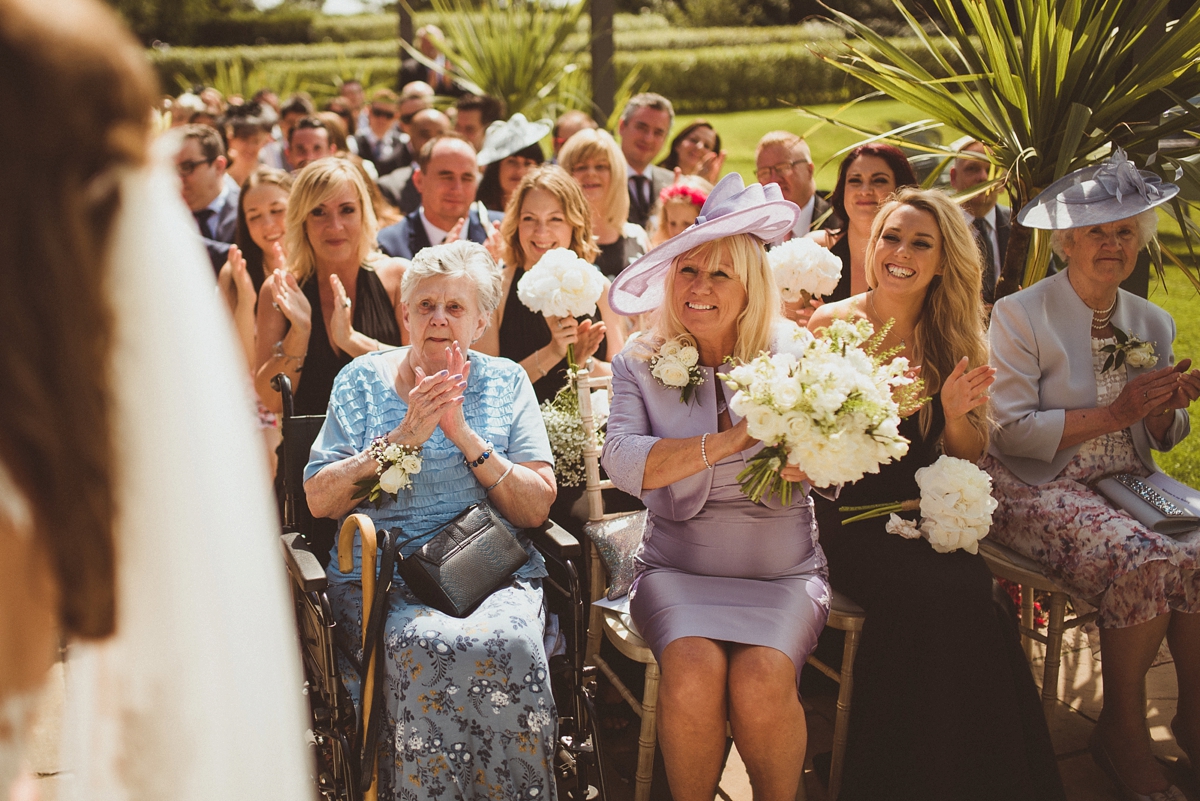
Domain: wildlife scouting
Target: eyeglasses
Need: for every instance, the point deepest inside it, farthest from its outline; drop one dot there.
(765, 173)
(383, 112)
(186, 168)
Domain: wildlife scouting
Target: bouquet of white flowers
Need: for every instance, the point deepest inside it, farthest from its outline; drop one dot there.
(830, 404)
(803, 269)
(564, 426)
(561, 285)
(956, 507)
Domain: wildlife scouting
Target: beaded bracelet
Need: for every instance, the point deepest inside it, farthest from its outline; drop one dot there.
(704, 451)
(483, 457)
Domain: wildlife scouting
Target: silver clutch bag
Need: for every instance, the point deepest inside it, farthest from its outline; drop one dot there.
(1158, 502)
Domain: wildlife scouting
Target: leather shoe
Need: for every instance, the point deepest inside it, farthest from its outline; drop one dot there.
(1102, 760)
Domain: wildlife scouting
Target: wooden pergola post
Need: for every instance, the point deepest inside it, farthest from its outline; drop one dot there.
(604, 72)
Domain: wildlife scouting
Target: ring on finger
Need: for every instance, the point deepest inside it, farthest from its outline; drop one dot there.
(1146, 394)
(346, 302)
(275, 305)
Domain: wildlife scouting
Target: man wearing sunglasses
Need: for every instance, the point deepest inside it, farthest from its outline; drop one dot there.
(200, 162)
(381, 141)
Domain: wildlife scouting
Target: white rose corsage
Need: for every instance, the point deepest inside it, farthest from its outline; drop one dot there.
(1128, 350)
(675, 366)
(956, 507)
(395, 467)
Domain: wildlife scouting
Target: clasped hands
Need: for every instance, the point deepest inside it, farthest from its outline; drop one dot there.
(1156, 393)
(436, 400)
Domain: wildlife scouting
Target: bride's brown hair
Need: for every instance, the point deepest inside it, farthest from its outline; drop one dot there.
(77, 97)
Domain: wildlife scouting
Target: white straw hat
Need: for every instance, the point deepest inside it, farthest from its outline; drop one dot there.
(1114, 190)
(731, 209)
(504, 138)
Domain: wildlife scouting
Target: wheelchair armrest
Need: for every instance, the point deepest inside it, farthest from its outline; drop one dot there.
(302, 563)
(551, 538)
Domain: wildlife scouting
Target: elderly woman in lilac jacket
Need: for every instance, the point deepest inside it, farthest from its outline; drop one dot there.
(730, 594)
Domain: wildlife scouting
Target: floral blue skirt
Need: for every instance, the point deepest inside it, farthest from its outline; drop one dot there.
(468, 711)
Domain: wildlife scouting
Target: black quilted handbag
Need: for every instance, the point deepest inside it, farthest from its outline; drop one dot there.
(464, 563)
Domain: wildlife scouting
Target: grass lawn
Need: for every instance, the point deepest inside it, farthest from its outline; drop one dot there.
(1179, 298)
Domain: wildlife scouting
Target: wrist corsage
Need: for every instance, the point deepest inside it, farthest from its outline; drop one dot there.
(674, 366)
(1128, 350)
(395, 467)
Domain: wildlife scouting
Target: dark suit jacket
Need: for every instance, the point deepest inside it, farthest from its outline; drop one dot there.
(398, 189)
(226, 230)
(1003, 229)
(660, 179)
(407, 237)
(400, 155)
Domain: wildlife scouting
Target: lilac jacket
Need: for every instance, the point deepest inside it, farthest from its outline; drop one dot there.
(644, 411)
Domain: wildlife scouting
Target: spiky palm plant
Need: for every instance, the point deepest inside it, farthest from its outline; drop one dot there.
(522, 51)
(1048, 92)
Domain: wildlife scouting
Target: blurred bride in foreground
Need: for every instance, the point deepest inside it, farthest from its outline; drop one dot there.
(135, 513)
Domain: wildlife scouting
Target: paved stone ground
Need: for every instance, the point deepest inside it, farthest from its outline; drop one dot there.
(1080, 691)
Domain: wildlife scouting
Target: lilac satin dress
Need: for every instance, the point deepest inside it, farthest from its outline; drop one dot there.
(714, 564)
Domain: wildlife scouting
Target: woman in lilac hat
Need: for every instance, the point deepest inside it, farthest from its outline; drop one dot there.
(730, 594)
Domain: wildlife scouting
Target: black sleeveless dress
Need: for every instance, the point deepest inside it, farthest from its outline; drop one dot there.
(523, 331)
(841, 249)
(945, 706)
(374, 316)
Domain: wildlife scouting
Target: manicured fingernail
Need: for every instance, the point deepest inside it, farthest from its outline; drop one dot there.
(443, 374)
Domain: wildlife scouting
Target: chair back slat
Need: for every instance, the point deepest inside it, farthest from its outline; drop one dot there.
(585, 384)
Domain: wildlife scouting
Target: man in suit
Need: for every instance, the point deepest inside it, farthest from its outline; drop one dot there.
(644, 126)
(200, 162)
(308, 141)
(992, 223)
(381, 141)
(784, 159)
(397, 186)
(446, 177)
(475, 114)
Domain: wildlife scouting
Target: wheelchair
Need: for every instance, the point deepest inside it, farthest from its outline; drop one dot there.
(334, 736)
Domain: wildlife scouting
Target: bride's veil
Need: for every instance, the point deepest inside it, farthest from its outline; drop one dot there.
(199, 693)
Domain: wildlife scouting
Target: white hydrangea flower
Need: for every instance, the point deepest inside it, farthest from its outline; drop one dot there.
(801, 265)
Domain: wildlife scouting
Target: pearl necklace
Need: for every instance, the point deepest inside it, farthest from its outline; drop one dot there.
(1101, 319)
(875, 314)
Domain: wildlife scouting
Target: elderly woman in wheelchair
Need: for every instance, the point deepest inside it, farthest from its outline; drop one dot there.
(467, 708)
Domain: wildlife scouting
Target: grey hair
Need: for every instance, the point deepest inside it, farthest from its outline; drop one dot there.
(454, 260)
(649, 100)
(1146, 225)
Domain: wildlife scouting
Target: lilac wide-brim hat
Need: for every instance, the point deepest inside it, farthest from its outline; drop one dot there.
(506, 137)
(732, 208)
(1104, 193)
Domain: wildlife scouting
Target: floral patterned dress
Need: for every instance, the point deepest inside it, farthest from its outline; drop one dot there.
(1102, 555)
(467, 708)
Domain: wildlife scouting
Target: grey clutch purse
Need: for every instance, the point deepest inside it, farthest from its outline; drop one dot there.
(1158, 502)
(464, 563)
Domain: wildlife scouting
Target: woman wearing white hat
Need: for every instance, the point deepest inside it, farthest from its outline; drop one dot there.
(510, 149)
(730, 594)
(1085, 387)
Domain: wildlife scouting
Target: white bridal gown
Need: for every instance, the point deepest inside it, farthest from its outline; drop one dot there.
(198, 695)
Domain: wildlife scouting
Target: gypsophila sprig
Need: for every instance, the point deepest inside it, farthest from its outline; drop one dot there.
(395, 465)
(1128, 350)
(956, 507)
(564, 426)
(803, 270)
(830, 404)
(675, 365)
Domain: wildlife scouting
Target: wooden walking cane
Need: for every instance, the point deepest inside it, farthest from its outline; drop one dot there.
(366, 529)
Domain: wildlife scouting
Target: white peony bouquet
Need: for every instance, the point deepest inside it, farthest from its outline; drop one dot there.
(956, 507)
(830, 404)
(675, 365)
(803, 270)
(561, 285)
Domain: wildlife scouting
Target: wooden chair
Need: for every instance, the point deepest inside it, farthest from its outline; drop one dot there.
(1008, 564)
(618, 627)
(847, 616)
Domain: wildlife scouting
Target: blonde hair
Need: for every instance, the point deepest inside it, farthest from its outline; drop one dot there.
(553, 179)
(951, 324)
(598, 144)
(317, 183)
(755, 323)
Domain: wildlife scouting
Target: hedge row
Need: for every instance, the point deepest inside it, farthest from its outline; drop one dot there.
(702, 80)
(203, 60)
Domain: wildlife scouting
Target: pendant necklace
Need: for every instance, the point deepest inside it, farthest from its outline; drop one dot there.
(892, 331)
